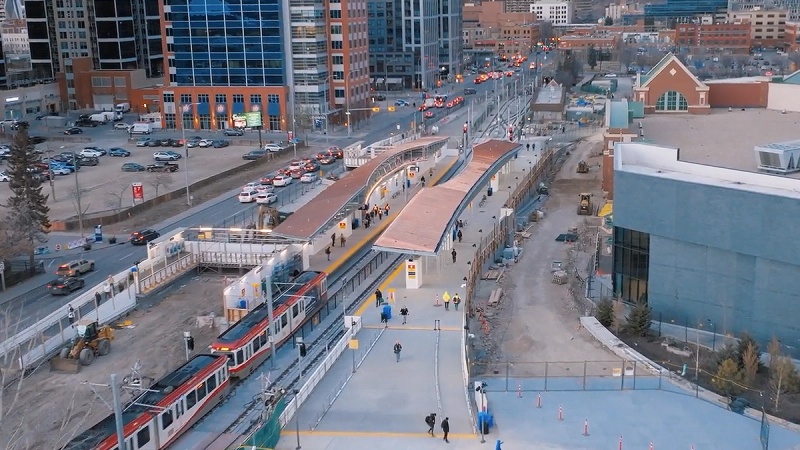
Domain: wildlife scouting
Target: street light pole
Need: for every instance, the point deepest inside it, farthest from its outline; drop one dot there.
(77, 193)
(186, 152)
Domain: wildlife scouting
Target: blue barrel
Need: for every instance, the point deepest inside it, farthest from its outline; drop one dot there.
(242, 304)
(356, 223)
(387, 309)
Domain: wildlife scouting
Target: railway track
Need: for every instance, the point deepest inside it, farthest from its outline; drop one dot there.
(317, 349)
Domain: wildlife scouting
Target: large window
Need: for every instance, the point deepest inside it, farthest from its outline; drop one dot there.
(205, 122)
(222, 121)
(170, 122)
(631, 264)
(672, 101)
(275, 123)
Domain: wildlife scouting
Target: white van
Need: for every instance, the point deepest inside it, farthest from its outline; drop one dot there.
(99, 117)
(141, 128)
(123, 107)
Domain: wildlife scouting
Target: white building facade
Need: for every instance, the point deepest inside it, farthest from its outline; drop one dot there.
(557, 12)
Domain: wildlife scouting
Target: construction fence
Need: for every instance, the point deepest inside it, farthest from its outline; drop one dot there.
(269, 433)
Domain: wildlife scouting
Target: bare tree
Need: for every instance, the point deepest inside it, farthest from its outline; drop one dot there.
(626, 56)
(75, 195)
(750, 362)
(774, 350)
(117, 196)
(161, 180)
(641, 60)
(795, 58)
(545, 31)
(782, 378)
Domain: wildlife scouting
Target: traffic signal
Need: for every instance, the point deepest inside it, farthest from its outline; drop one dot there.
(302, 350)
(465, 128)
(510, 133)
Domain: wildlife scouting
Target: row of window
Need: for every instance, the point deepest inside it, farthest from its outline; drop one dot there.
(218, 98)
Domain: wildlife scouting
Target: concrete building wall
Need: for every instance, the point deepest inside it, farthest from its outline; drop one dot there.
(738, 95)
(719, 254)
(784, 96)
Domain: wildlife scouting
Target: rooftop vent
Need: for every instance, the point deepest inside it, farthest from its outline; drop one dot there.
(781, 157)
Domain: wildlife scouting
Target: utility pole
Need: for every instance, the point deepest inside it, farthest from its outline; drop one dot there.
(267, 292)
(300, 347)
(186, 151)
(117, 411)
(78, 195)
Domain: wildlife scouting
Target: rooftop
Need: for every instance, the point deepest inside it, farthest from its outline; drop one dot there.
(550, 95)
(722, 139)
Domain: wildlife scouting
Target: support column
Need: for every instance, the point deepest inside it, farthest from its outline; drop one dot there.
(494, 183)
(413, 273)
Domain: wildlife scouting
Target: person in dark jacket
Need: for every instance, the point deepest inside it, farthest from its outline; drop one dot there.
(404, 313)
(446, 428)
(397, 349)
(431, 421)
(378, 297)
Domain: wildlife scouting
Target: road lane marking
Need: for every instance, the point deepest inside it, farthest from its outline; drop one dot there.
(128, 255)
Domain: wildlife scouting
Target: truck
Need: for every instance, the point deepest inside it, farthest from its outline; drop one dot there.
(122, 108)
(99, 118)
(162, 166)
(141, 128)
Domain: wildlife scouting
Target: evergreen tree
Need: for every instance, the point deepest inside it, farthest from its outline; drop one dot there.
(605, 312)
(27, 207)
(591, 58)
(639, 319)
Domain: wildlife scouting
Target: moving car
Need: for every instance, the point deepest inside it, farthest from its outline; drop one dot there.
(233, 132)
(142, 237)
(281, 180)
(36, 139)
(272, 147)
(251, 186)
(400, 102)
(133, 167)
(64, 286)
(325, 160)
(75, 267)
(121, 126)
(254, 155)
(162, 166)
(116, 151)
(248, 196)
(266, 198)
(470, 91)
(336, 152)
(429, 114)
(266, 180)
(166, 156)
(309, 177)
(295, 165)
(20, 124)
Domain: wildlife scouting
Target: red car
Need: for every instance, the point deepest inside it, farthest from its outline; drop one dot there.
(429, 115)
(266, 180)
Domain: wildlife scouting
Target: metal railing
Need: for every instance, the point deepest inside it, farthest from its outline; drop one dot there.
(167, 273)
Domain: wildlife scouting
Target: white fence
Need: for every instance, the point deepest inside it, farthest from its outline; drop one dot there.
(166, 273)
(35, 343)
(232, 259)
(353, 324)
(465, 372)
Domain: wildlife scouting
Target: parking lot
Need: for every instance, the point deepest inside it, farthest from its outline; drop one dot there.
(106, 187)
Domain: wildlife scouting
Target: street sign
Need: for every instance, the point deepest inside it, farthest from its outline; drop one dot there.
(2, 266)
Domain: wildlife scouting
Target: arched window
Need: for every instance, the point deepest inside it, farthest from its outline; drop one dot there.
(672, 101)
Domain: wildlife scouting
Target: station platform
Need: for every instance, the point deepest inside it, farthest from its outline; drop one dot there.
(383, 403)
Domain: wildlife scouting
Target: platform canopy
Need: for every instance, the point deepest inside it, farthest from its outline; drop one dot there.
(317, 215)
(422, 225)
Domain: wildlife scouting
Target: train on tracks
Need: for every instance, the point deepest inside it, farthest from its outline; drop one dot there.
(169, 407)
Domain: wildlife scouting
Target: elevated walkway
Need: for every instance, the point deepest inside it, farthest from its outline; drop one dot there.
(422, 227)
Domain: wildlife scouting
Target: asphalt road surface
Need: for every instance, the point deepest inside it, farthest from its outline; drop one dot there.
(27, 309)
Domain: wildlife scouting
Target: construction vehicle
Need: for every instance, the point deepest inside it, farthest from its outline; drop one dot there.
(91, 340)
(585, 208)
(542, 190)
(583, 167)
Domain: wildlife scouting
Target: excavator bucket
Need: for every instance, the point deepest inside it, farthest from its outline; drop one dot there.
(66, 365)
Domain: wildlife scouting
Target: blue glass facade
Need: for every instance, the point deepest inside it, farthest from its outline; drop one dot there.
(674, 9)
(227, 42)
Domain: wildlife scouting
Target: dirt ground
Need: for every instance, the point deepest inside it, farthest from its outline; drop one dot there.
(46, 409)
(537, 320)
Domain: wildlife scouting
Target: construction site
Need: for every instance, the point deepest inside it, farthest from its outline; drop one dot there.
(47, 408)
(532, 311)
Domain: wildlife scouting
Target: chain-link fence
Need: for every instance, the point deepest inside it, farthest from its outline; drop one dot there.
(268, 435)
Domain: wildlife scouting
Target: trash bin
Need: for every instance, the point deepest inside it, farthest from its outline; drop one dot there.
(489, 192)
(387, 309)
(356, 223)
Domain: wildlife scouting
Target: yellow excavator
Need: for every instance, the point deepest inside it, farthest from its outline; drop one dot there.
(585, 208)
(92, 340)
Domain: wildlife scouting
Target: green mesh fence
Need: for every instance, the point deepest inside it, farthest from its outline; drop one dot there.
(266, 437)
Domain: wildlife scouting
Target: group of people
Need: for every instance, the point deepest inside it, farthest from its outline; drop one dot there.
(430, 420)
(329, 249)
(376, 212)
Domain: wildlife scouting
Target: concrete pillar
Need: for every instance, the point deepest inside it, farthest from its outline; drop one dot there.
(308, 249)
(345, 226)
(494, 183)
(413, 273)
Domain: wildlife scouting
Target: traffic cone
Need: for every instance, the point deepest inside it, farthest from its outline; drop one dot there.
(539, 401)
(586, 427)
(651, 445)
(437, 301)
(560, 413)
(519, 390)
(620, 442)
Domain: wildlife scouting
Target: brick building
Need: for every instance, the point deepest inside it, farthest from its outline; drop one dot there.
(766, 26)
(599, 41)
(734, 37)
(792, 37)
(671, 87)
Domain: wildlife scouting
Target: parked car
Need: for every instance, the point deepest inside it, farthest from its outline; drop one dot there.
(233, 132)
(116, 151)
(192, 143)
(281, 180)
(86, 123)
(165, 156)
(20, 124)
(41, 116)
(75, 267)
(121, 126)
(4, 177)
(272, 147)
(379, 97)
(144, 142)
(154, 143)
(90, 152)
(142, 237)
(60, 170)
(254, 155)
(172, 143)
(248, 196)
(101, 150)
(205, 143)
(266, 198)
(89, 161)
(36, 139)
(309, 177)
(220, 143)
(64, 286)
(133, 167)
(162, 166)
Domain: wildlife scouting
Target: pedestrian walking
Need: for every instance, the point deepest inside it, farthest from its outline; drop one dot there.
(422, 180)
(378, 297)
(384, 320)
(97, 297)
(430, 420)
(454, 255)
(397, 349)
(328, 253)
(380, 214)
(387, 209)
(447, 303)
(431, 172)
(342, 240)
(404, 313)
(446, 428)
(456, 301)
(71, 315)
(460, 236)
(333, 239)
(107, 290)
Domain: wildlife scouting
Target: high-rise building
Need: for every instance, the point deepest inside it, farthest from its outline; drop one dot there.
(411, 41)
(115, 34)
(791, 6)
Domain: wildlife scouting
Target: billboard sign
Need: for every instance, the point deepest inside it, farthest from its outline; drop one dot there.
(239, 120)
(138, 192)
(253, 119)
